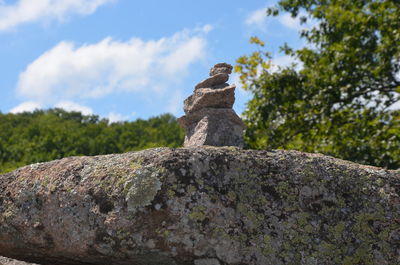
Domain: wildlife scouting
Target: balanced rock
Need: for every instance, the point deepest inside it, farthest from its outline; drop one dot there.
(212, 126)
(221, 68)
(215, 80)
(210, 119)
(210, 98)
(219, 75)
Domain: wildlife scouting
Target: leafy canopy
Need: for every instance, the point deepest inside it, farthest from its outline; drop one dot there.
(40, 136)
(341, 100)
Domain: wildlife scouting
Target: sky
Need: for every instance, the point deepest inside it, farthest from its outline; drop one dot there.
(126, 59)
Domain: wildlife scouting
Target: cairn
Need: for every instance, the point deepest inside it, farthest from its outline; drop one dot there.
(210, 119)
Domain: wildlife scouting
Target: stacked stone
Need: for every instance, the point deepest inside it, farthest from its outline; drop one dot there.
(210, 119)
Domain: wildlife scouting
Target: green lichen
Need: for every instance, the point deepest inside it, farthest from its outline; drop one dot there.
(141, 188)
(166, 233)
(136, 164)
(9, 213)
(171, 193)
(220, 233)
(337, 231)
(285, 191)
(198, 213)
(138, 183)
(363, 255)
(268, 248)
(190, 189)
(231, 196)
(45, 182)
(255, 218)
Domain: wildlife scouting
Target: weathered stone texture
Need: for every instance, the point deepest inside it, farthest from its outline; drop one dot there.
(210, 98)
(212, 81)
(204, 125)
(204, 205)
(221, 68)
(7, 261)
(225, 132)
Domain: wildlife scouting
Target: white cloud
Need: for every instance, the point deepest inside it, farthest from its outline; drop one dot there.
(257, 18)
(284, 61)
(260, 21)
(175, 103)
(235, 77)
(24, 11)
(242, 96)
(117, 117)
(72, 106)
(28, 106)
(68, 72)
(207, 28)
(290, 22)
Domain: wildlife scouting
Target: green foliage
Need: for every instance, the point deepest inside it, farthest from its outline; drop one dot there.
(339, 102)
(52, 134)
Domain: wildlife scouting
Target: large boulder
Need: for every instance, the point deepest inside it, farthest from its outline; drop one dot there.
(201, 206)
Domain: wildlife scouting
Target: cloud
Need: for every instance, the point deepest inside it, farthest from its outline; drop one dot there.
(284, 61)
(235, 79)
(175, 103)
(28, 106)
(24, 11)
(68, 71)
(72, 106)
(207, 28)
(260, 21)
(257, 18)
(117, 117)
(290, 22)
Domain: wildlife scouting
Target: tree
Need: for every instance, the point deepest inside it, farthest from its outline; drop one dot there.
(40, 136)
(341, 100)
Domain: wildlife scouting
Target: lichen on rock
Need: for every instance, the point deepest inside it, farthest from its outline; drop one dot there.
(141, 189)
(203, 206)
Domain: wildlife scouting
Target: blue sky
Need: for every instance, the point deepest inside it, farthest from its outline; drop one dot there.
(125, 59)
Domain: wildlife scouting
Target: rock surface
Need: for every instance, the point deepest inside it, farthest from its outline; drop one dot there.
(215, 80)
(201, 206)
(210, 98)
(203, 124)
(206, 127)
(221, 68)
(7, 261)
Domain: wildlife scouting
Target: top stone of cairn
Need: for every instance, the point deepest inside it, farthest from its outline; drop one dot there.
(219, 75)
(221, 68)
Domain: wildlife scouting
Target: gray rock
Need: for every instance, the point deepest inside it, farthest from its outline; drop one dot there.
(195, 117)
(213, 81)
(226, 204)
(209, 118)
(210, 98)
(206, 262)
(221, 68)
(7, 261)
(212, 126)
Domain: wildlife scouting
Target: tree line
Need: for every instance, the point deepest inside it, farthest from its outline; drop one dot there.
(45, 135)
